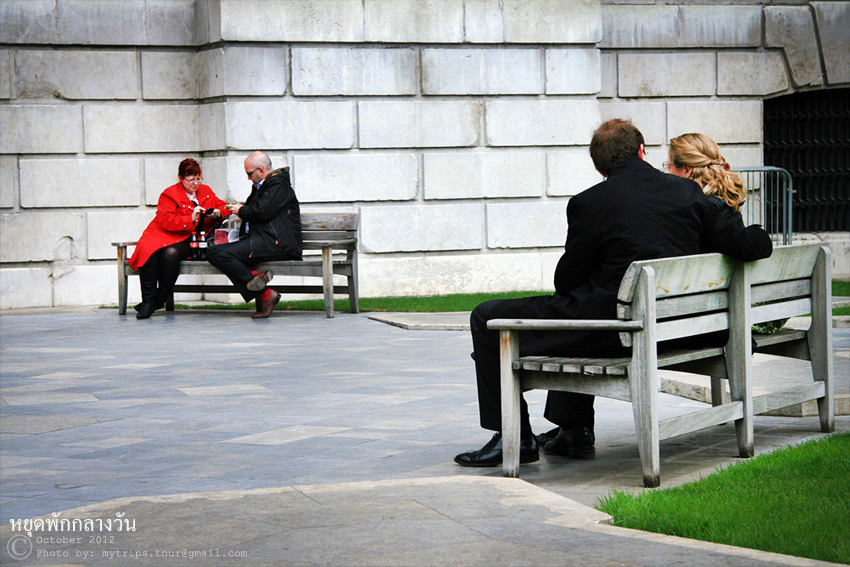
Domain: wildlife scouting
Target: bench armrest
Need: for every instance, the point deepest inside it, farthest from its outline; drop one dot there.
(125, 244)
(564, 325)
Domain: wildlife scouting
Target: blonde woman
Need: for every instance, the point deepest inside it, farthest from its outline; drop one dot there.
(696, 156)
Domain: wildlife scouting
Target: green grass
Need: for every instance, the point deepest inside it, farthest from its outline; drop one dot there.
(424, 304)
(794, 501)
(840, 288)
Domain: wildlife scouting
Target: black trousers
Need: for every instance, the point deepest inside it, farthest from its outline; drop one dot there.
(566, 409)
(158, 275)
(234, 259)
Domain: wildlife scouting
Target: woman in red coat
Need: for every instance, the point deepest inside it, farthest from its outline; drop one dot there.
(166, 239)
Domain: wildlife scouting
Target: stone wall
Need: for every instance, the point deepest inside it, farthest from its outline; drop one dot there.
(458, 128)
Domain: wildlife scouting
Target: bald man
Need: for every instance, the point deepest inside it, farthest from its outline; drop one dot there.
(271, 230)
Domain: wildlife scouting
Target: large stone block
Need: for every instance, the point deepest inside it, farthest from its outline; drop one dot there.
(666, 74)
(792, 29)
(482, 71)
(419, 124)
(833, 19)
(304, 21)
(743, 156)
(720, 26)
(290, 125)
(23, 129)
(106, 22)
(729, 122)
(544, 122)
(334, 178)
(476, 175)
(482, 21)
(150, 128)
(77, 74)
(87, 285)
(35, 237)
(658, 26)
(573, 71)
(649, 117)
(413, 21)
(87, 182)
(105, 227)
(8, 182)
(237, 70)
(608, 73)
(452, 273)
(407, 228)
(25, 287)
(5, 73)
(169, 75)
(212, 126)
(321, 71)
(570, 171)
(526, 225)
(28, 21)
(760, 73)
(552, 21)
(171, 22)
(629, 26)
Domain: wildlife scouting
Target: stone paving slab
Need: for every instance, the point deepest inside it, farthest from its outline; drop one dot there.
(185, 411)
(457, 521)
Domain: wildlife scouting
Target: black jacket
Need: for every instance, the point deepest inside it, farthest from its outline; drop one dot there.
(273, 219)
(640, 213)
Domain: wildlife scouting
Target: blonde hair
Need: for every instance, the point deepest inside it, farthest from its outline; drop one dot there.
(708, 168)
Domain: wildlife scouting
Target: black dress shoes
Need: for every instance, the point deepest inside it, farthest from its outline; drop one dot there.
(544, 438)
(576, 443)
(490, 455)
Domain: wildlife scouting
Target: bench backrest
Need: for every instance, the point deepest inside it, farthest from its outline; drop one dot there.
(692, 293)
(787, 283)
(329, 226)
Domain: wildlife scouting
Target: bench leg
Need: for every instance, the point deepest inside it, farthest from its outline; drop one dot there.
(353, 292)
(644, 383)
(122, 281)
(644, 407)
(169, 302)
(508, 352)
(739, 357)
(820, 339)
(328, 280)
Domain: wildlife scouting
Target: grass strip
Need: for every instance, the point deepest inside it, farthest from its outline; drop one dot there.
(420, 304)
(795, 501)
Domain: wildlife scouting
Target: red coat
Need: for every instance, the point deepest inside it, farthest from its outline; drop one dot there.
(173, 221)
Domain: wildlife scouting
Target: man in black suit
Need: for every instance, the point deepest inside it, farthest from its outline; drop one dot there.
(637, 213)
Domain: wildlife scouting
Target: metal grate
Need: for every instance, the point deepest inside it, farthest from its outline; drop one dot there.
(769, 200)
(808, 134)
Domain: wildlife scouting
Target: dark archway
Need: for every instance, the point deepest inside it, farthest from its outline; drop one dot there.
(809, 135)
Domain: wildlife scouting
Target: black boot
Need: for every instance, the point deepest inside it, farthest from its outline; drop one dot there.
(147, 281)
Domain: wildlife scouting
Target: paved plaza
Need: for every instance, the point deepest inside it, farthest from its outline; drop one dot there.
(301, 440)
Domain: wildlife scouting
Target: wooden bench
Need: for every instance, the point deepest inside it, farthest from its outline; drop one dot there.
(681, 297)
(328, 232)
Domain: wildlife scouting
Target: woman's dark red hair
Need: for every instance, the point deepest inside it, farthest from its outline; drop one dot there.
(188, 167)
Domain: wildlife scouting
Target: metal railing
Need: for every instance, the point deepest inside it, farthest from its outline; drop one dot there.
(769, 198)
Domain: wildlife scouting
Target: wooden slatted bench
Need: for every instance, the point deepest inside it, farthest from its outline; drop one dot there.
(328, 232)
(672, 298)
